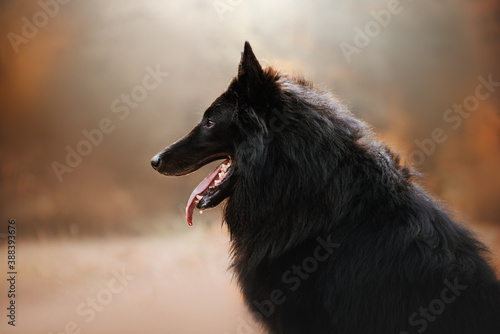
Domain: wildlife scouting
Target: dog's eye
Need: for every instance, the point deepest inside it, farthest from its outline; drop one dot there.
(210, 123)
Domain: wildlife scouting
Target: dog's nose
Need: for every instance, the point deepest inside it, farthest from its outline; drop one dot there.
(155, 162)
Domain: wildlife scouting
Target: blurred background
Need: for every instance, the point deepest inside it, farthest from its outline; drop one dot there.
(91, 90)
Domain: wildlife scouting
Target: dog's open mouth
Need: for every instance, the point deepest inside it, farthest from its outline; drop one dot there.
(211, 191)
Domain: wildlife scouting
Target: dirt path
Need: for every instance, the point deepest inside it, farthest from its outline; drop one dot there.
(166, 284)
(146, 285)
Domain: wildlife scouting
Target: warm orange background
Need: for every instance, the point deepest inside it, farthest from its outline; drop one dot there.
(113, 211)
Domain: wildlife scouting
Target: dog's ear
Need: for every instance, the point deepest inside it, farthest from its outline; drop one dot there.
(249, 71)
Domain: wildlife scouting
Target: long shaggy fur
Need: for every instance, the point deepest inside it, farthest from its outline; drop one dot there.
(324, 175)
(330, 233)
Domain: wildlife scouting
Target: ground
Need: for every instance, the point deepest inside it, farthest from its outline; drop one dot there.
(170, 283)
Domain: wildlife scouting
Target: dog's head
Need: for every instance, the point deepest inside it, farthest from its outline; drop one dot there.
(232, 129)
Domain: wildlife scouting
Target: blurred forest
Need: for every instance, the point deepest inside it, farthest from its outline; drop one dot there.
(119, 80)
(64, 79)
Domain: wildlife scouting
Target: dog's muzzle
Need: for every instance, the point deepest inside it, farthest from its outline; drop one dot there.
(156, 161)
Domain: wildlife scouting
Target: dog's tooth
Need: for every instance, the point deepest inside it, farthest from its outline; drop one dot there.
(198, 197)
(216, 182)
(222, 175)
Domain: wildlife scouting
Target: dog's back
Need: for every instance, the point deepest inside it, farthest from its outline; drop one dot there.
(332, 235)
(329, 231)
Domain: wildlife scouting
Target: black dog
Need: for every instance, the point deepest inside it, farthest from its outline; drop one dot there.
(329, 232)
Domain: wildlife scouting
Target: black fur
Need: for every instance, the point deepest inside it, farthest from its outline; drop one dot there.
(329, 231)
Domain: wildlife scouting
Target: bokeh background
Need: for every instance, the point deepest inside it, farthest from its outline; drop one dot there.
(64, 64)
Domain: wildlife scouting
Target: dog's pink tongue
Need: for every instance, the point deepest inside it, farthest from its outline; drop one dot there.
(198, 190)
